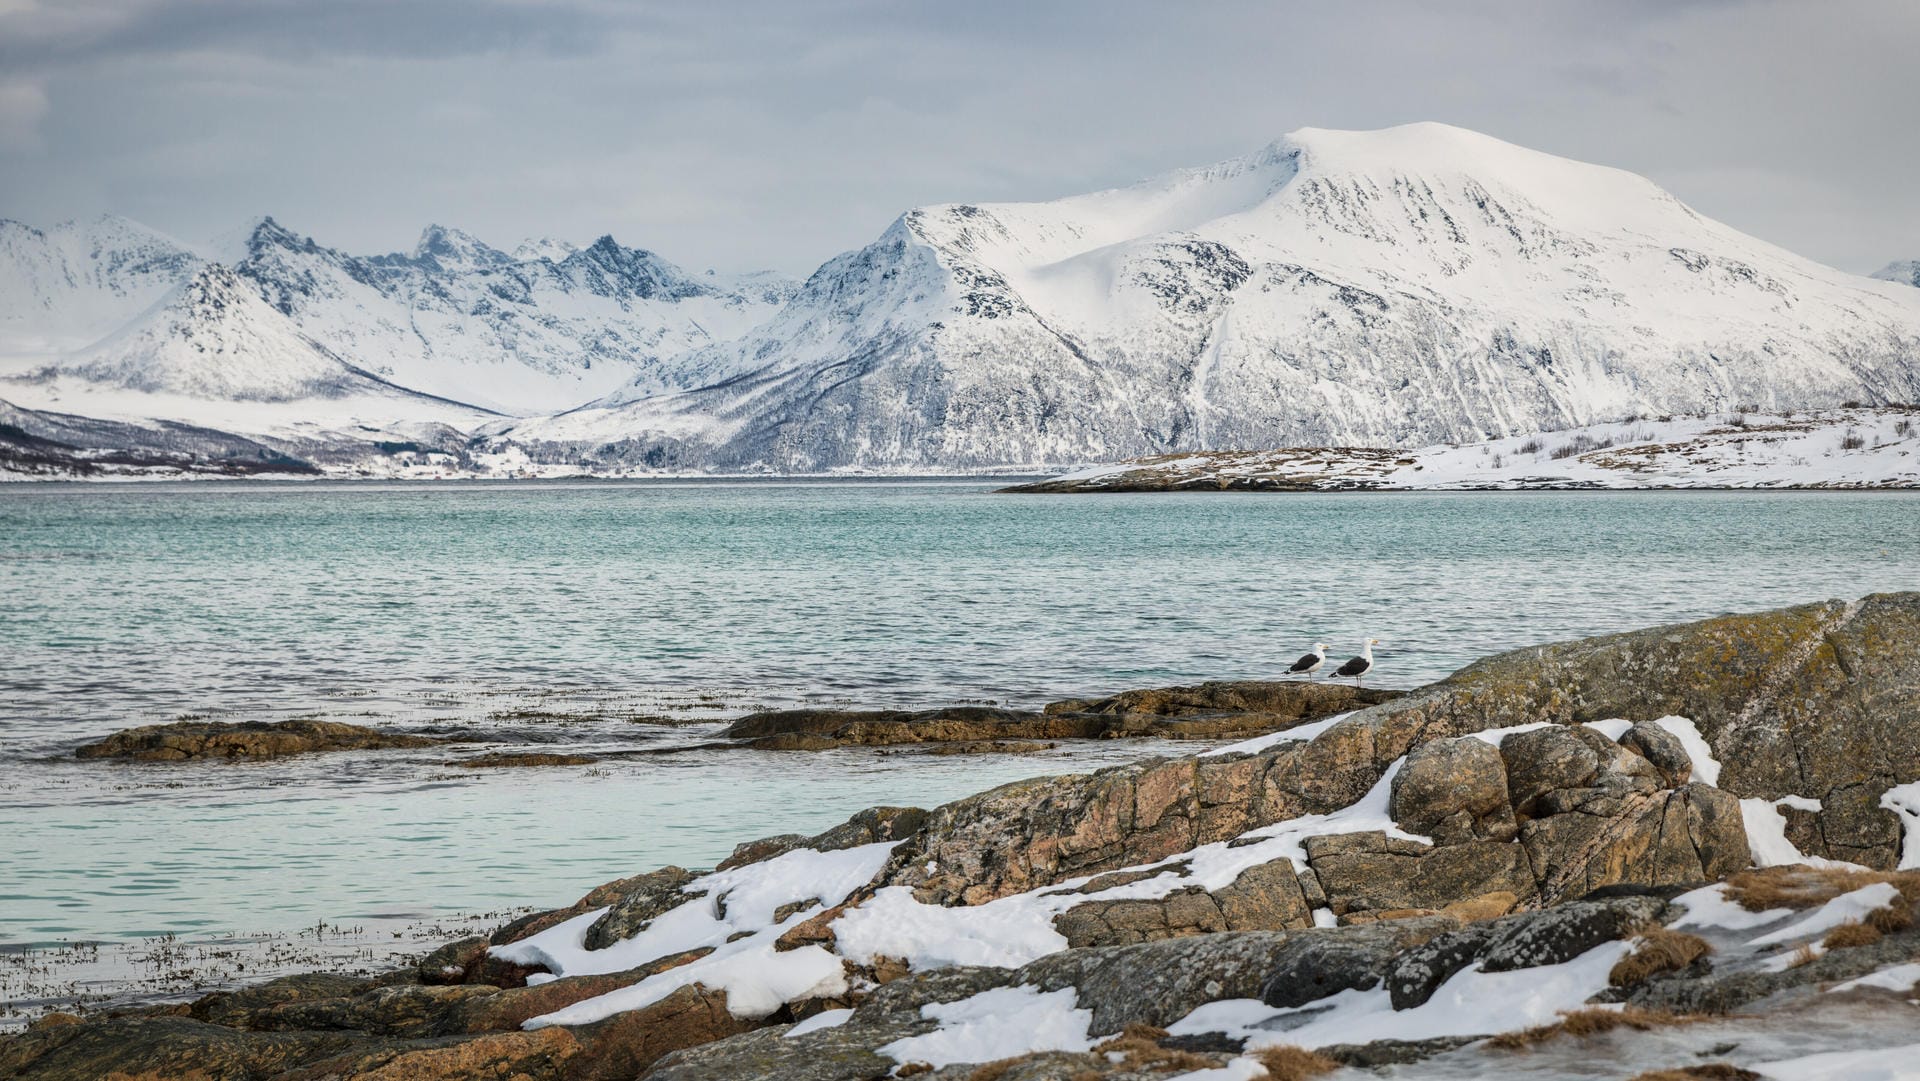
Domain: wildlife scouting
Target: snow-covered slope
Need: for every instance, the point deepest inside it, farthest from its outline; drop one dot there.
(522, 333)
(1906, 272)
(214, 338)
(66, 287)
(1392, 288)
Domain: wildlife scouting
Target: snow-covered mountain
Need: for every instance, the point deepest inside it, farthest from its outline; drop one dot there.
(215, 338)
(521, 333)
(1906, 272)
(1402, 287)
(66, 287)
(543, 329)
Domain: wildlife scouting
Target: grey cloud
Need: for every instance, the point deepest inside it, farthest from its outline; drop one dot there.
(295, 30)
(759, 133)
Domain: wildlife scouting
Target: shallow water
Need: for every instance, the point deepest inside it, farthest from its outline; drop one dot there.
(588, 612)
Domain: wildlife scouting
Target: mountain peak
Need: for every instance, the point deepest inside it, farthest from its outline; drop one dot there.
(1904, 271)
(549, 248)
(456, 249)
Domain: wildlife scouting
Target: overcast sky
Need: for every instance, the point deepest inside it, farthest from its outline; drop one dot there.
(742, 135)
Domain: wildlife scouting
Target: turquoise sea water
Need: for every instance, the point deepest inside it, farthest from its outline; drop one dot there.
(587, 612)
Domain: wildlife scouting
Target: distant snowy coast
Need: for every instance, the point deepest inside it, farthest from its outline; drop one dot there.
(1858, 448)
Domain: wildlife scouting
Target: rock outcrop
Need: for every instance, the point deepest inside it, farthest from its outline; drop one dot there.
(188, 740)
(1207, 711)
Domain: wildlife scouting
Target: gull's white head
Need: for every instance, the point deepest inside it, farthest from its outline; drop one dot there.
(1319, 647)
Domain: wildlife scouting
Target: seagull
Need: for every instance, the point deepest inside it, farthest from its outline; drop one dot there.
(1359, 666)
(1310, 663)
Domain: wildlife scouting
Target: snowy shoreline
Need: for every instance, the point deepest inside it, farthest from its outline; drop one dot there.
(1850, 449)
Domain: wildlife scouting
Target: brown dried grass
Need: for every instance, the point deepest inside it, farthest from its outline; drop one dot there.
(1851, 934)
(1800, 886)
(1709, 1071)
(1294, 1063)
(992, 1071)
(1805, 955)
(1659, 950)
(913, 1069)
(1591, 1021)
(1140, 1046)
(1892, 919)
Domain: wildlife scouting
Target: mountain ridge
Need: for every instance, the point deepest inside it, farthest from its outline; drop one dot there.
(1403, 287)
(454, 318)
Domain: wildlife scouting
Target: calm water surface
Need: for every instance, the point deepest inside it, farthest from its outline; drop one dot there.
(588, 613)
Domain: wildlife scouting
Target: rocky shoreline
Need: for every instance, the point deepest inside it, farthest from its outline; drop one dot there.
(1657, 847)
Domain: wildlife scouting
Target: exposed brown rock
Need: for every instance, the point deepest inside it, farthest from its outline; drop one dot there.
(1298, 701)
(451, 962)
(404, 1010)
(1371, 871)
(624, 1045)
(1693, 834)
(1454, 790)
(512, 1007)
(1207, 711)
(542, 1055)
(161, 1049)
(185, 740)
(236, 1008)
(1486, 906)
(506, 760)
(1661, 748)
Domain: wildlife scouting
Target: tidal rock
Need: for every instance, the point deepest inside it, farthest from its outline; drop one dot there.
(528, 760)
(1266, 897)
(1208, 711)
(161, 1049)
(871, 826)
(765, 848)
(1296, 701)
(451, 962)
(405, 1010)
(236, 1008)
(542, 1055)
(188, 740)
